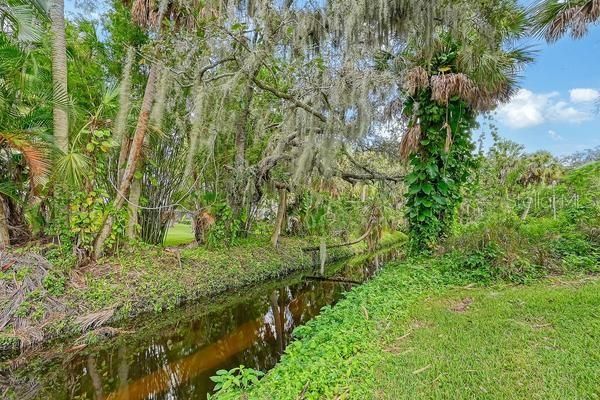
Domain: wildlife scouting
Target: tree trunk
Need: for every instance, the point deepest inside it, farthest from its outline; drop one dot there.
(194, 134)
(4, 238)
(123, 152)
(59, 75)
(203, 221)
(121, 135)
(132, 161)
(240, 152)
(124, 97)
(242, 126)
(134, 202)
(281, 212)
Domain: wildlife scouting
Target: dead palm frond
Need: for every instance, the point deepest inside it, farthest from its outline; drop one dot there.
(35, 153)
(553, 19)
(416, 79)
(94, 320)
(446, 86)
(409, 144)
(141, 10)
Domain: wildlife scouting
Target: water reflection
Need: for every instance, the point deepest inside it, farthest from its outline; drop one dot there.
(177, 362)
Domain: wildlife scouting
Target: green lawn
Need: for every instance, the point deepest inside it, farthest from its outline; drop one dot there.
(537, 342)
(179, 234)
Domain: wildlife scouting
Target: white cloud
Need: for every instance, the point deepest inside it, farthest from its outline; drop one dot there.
(526, 109)
(561, 111)
(554, 136)
(583, 95)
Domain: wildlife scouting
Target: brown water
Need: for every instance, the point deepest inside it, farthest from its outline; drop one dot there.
(173, 355)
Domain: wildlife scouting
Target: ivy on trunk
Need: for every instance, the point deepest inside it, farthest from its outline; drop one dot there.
(440, 166)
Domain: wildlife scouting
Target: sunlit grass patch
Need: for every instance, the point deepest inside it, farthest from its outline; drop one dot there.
(179, 234)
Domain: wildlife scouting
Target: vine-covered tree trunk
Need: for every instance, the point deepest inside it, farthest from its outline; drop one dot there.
(440, 167)
(59, 75)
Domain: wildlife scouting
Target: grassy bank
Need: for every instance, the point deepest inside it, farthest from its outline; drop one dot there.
(532, 342)
(69, 302)
(422, 330)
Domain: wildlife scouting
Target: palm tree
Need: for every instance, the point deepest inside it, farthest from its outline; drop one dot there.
(25, 110)
(542, 168)
(460, 71)
(555, 18)
(59, 74)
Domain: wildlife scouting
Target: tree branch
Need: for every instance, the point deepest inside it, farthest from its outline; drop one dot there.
(353, 177)
(290, 98)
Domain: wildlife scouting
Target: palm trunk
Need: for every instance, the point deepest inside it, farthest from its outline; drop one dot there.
(4, 237)
(281, 211)
(59, 75)
(133, 206)
(132, 161)
(124, 97)
(123, 153)
(121, 136)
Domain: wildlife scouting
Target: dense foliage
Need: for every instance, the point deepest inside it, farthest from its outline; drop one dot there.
(243, 117)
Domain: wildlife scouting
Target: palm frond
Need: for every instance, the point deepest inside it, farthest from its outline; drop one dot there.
(9, 190)
(23, 22)
(415, 80)
(552, 19)
(71, 168)
(409, 144)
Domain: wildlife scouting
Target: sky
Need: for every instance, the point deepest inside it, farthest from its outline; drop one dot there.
(557, 107)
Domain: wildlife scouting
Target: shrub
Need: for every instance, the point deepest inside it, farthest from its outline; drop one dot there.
(505, 247)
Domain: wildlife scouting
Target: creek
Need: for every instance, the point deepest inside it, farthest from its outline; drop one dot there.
(173, 355)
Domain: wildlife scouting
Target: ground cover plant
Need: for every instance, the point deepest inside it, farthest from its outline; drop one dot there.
(428, 329)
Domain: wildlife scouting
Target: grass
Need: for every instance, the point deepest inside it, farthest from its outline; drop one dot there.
(178, 235)
(536, 342)
(421, 331)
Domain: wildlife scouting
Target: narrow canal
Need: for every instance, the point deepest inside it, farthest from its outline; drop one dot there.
(173, 355)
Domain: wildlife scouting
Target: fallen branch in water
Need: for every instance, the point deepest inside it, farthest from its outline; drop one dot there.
(323, 278)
